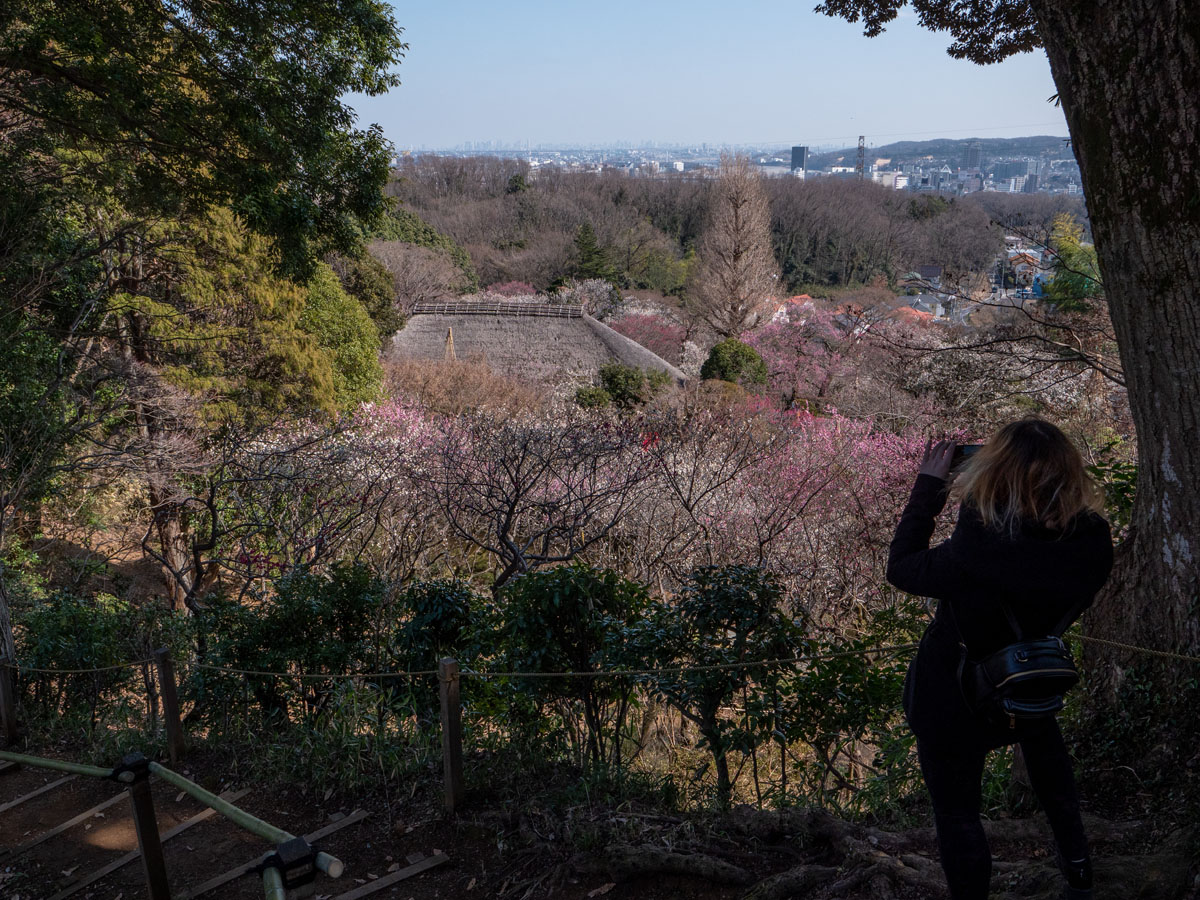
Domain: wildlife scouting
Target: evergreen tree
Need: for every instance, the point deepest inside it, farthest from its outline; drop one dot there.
(589, 260)
(248, 113)
(345, 332)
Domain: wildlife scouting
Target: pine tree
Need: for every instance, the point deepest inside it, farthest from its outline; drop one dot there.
(590, 259)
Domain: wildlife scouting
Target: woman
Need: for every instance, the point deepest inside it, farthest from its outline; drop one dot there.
(1029, 534)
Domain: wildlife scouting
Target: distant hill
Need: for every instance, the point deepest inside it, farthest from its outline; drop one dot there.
(950, 151)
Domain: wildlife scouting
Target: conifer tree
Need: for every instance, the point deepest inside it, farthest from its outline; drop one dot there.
(590, 260)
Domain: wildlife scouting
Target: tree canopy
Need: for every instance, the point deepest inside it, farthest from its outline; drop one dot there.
(196, 103)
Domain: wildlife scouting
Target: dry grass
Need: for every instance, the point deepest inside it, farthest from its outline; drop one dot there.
(455, 387)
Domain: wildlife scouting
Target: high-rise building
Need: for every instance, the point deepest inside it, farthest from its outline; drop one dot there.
(972, 155)
(799, 159)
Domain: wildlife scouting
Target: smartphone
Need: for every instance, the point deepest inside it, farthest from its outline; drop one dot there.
(962, 453)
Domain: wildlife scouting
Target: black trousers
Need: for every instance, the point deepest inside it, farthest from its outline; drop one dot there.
(953, 771)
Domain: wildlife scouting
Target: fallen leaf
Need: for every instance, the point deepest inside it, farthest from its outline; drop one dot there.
(372, 876)
(69, 872)
(471, 885)
(394, 867)
(603, 889)
(328, 793)
(180, 796)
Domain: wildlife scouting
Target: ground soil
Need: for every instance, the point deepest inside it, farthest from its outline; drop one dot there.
(508, 852)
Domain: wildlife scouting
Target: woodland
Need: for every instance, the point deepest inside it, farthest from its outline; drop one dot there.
(667, 598)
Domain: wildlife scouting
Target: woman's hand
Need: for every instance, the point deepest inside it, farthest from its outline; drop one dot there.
(937, 458)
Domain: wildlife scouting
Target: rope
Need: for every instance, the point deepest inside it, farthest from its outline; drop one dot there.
(17, 667)
(1164, 654)
(262, 674)
(609, 673)
(684, 670)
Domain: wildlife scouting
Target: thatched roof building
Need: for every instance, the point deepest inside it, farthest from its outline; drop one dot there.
(525, 340)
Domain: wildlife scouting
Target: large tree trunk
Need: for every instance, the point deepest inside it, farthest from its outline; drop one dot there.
(173, 542)
(1128, 75)
(7, 647)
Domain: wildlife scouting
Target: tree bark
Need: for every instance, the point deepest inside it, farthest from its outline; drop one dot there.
(1127, 74)
(173, 542)
(7, 646)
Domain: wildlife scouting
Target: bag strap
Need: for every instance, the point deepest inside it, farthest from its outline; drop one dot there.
(1012, 621)
(1057, 631)
(1068, 617)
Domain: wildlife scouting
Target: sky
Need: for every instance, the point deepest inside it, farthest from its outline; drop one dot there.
(583, 74)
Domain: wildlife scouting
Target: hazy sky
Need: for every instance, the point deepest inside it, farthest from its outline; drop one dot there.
(571, 73)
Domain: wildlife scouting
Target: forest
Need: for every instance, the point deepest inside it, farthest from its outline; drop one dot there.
(667, 598)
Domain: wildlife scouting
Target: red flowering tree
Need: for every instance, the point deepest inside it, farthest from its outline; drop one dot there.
(660, 336)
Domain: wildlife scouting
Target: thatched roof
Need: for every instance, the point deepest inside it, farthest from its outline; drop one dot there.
(530, 341)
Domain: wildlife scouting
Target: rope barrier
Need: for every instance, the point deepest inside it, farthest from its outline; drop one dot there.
(309, 675)
(613, 673)
(1164, 654)
(684, 670)
(17, 667)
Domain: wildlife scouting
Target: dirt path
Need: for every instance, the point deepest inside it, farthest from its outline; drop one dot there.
(514, 853)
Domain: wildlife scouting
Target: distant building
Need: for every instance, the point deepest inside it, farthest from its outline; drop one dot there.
(972, 155)
(931, 275)
(799, 160)
(1014, 168)
(1024, 266)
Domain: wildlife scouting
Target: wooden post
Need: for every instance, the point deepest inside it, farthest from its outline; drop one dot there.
(146, 826)
(170, 701)
(8, 702)
(451, 732)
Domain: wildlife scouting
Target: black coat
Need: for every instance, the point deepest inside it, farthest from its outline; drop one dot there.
(1039, 573)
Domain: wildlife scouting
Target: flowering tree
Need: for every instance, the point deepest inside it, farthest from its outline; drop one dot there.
(660, 336)
(511, 289)
(532, 491)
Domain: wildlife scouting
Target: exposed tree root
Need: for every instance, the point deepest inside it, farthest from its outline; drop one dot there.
(622, 863)
(831, 858)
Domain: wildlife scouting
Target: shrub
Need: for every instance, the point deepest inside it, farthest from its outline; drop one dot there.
(67, 631)
(724, 615)
(314, 624)
(575, 619)
(592, 397)
(735, 362)
(629, 386)
(440, 623)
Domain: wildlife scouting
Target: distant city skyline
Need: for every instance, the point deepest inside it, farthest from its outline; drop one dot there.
(531, 71)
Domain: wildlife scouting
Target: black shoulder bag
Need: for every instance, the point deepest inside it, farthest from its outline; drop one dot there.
(1025, 680)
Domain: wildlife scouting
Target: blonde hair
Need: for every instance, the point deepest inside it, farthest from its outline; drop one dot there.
(1029, 471)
